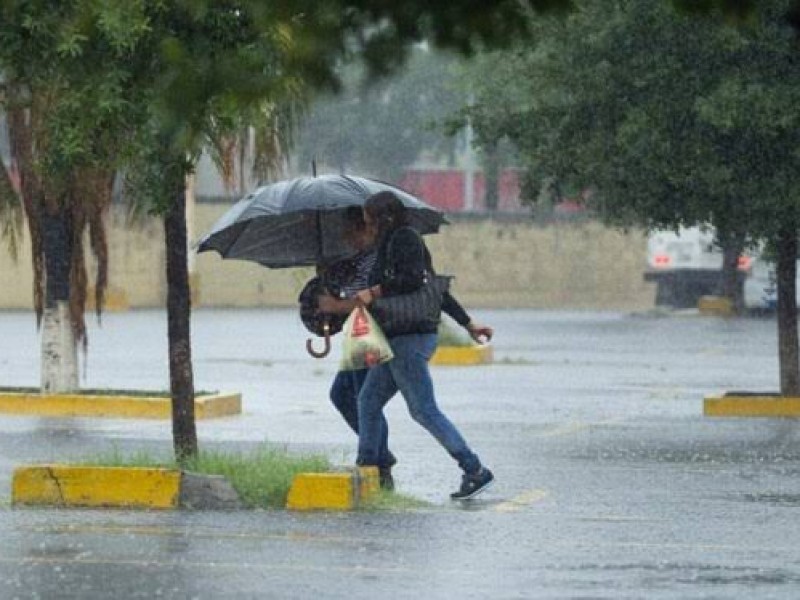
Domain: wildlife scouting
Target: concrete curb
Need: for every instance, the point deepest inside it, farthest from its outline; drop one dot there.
(120, 487)
(117, 487)
(82, 486)
(732, 405)
(114, 406)
(343, 490)
(463, 355)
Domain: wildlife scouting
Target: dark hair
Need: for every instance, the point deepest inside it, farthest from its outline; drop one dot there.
(387, 211)
(354, 218)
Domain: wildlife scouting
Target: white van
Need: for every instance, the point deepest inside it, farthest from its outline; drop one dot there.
(686, 265)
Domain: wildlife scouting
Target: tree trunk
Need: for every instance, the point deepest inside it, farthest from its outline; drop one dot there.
(787, 311)
(184, 432)
(59, 358)
(731, 283)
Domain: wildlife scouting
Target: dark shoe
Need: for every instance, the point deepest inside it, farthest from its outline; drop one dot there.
(386, 479)
(472, 485)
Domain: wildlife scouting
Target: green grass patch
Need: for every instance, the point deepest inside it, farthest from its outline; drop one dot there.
(393, 501)
(116, 458)
(261, 477)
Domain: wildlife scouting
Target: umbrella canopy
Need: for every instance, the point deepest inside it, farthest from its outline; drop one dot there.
(301, 221)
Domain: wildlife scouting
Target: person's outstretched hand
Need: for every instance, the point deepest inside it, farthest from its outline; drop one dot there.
(480, 333)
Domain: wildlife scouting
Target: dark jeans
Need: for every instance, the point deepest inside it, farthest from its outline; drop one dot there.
(408, 372)
(344, 395)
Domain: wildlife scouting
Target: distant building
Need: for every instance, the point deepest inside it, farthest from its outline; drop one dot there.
(447, 189)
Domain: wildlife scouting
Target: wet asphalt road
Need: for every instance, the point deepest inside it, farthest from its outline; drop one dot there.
(610, 482)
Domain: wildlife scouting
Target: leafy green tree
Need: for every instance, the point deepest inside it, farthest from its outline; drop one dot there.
(205, 64)
(673, 120)
(176, 75)
(63, 131)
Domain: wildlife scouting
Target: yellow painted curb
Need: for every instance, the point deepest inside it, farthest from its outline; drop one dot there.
(751, 406)
(343, 490)
(132, 407)
(715, 306)
(463, 355)
(316, 491)
(217, 405)
(369, 482)
(118, 487)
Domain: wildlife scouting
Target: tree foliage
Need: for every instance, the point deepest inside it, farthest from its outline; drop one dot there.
(65, 119)
(672, 119)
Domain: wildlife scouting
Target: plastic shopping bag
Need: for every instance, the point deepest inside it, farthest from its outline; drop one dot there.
(365, 345)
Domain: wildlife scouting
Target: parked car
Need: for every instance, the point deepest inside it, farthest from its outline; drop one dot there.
(686, 265)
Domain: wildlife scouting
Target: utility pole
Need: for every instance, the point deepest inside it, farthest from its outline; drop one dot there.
(469, 164)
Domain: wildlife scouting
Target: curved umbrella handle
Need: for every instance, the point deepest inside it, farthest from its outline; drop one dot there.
(326, 328)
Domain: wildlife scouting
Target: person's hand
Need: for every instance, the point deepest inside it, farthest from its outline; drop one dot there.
(327, 304)
(367, 296)
(480, 333)
(364, 296)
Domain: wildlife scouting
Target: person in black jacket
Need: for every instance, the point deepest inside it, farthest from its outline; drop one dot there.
(402, 266)
(350, 276)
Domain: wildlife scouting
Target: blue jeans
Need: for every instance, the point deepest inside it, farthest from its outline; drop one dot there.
(408, 372)
(344, 395)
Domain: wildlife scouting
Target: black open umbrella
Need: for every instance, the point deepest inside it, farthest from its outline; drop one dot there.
(301, 221)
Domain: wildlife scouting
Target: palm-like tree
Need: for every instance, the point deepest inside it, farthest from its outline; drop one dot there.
(61, 205)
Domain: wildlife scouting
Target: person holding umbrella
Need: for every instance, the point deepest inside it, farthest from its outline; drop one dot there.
(400, 268)
(349, 277)
(299, 222)
(346, 277)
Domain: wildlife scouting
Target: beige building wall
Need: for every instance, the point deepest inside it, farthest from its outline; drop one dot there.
(16, 276)
(497, 263)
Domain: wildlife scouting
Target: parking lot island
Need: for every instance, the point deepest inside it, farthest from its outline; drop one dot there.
(752, 404)
(114, 405)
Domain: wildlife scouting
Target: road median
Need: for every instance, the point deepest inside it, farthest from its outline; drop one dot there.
(751, 404)
(88, 486)
(463, 355)
(120, 405)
